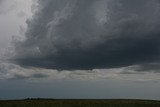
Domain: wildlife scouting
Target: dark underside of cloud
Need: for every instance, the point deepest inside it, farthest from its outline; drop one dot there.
(91, 34)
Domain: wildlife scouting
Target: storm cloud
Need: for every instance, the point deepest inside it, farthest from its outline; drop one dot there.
(90, 34)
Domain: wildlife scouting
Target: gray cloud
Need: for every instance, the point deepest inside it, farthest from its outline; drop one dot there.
(13, 71)
(1, 1)
(16, 72)
(10, 71)
(151, 67)
(21, 14)
(7, 6)
(80, 34)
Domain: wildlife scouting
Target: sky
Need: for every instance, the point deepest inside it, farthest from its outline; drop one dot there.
(98, 49)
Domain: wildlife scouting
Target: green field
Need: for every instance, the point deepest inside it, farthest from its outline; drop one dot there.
(78, 103)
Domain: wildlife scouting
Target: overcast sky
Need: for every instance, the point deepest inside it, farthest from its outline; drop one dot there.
(80, 49)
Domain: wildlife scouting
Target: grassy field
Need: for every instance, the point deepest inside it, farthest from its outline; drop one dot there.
(79, 103)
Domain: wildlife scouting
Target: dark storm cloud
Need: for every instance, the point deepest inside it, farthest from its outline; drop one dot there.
(88, 34)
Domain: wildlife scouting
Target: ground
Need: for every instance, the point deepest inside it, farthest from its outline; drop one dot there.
(78, 103)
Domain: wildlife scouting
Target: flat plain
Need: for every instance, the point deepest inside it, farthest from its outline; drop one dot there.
(79, 103)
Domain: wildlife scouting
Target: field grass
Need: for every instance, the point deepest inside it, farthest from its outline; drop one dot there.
(78, 103)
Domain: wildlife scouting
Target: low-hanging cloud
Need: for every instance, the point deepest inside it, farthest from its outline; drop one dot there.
(16, 72)
(10, 71)
(91, 34)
